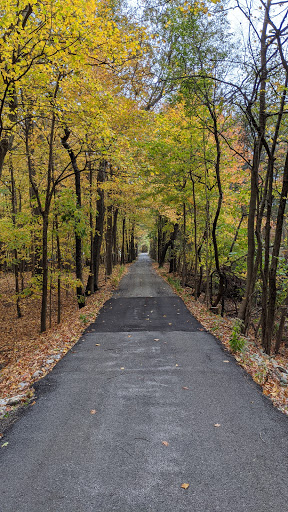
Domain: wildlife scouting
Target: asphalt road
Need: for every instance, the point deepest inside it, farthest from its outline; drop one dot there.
(131, 367)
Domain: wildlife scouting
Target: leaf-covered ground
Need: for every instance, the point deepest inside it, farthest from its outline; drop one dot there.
(25, 354)
(271, 373)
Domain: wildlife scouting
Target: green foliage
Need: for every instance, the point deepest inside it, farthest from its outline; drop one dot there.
(83, 318)
(237, 342)
(174, 282)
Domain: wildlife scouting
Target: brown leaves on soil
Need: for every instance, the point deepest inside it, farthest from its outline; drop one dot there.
(25, 354)
(262, 368)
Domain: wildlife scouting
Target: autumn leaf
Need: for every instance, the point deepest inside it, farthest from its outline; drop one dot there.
(165, 443)
(185, 486)
(93, 411)
(97, 344)
(4, 444)
(156, 339)
(217, 425)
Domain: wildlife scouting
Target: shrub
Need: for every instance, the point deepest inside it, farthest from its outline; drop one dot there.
(237, 342)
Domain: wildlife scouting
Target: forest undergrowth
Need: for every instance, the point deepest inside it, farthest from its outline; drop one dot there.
(270, 372)
(25, 355)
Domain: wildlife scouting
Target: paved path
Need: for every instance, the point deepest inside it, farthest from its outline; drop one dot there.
(61, 457)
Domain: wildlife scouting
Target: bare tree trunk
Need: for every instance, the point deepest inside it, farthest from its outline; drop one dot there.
(252, 269)
(266, 328)
(220, 296)
(279, 335)
(274, 261)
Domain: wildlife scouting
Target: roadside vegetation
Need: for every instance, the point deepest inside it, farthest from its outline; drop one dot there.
(162, 128)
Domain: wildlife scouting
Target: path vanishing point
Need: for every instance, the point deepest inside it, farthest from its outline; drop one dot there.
(152, 375)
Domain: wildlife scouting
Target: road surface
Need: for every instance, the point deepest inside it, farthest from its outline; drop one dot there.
(152, 375)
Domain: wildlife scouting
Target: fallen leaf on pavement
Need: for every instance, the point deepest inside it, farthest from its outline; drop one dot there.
(122, 368)
(184, 387)
(217, 425)
(225, 361)
(156, 339)
(185, 486)
(97, 344)
(165, 443)
(93, 411)
(4, 444)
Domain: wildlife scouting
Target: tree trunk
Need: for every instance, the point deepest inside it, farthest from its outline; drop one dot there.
(44, 271)
(91, 222)
(161, 237)
(92, 284)
(266, 328)
(59, 265)
(78, 240)
(168, 244)
(16, 263)
(123, 242)
(220, 296)
(274, 261)
(195, 240)
(184, 269)
(132, 250)
(34, 200)
(252, 269)
(279, 335)
(114, 236)
(109, 241)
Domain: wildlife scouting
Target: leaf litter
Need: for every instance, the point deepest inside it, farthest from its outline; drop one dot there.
(26, 355)
(265, 370)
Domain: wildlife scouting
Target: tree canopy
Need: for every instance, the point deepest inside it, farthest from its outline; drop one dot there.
(156, 128)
